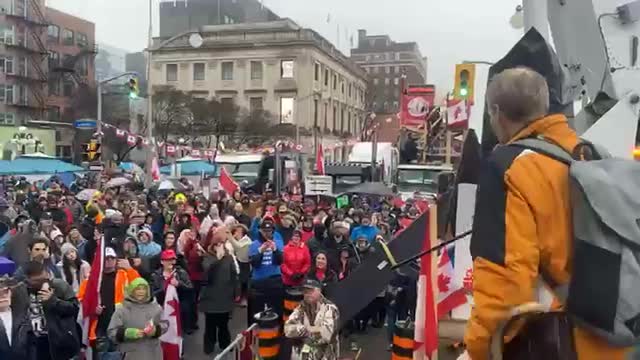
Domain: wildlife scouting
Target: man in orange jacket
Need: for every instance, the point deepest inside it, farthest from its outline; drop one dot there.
(116, 275)
(522, 220)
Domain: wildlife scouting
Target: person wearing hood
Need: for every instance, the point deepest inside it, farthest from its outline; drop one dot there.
(208, 222)
(266, 286)
(56, 239)
(287, 226)
(241, 242)
(296, 261)
(136, 325)
(217, 296)
(366, 229)
(75, 238)
(307, 229)
(74, 270)
(148, 251)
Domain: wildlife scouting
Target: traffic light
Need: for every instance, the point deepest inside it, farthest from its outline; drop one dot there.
(91, 151)
(133, 88)
(464, 82)
(636, 153)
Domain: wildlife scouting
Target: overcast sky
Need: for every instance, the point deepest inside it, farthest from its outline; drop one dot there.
(447, 31)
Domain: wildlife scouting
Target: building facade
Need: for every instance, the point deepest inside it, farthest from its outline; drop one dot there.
(386, 61)
(23, 61)
(177, 16)
(291, 72)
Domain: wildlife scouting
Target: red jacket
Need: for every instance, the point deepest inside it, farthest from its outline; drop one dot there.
(295, 260)
(194, 260)
(306, 235)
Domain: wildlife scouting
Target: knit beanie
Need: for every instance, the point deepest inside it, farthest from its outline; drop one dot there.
(67, 248)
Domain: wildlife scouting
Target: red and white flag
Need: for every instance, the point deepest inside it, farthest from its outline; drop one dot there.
(171, 150)
(155, 169)
(171, 341)
(450, 295)
(132, 140)
(426, 327)
(120, 133)
(320, 160)
(226, 182)
(91, 298)
(195, 153)
(458, 113)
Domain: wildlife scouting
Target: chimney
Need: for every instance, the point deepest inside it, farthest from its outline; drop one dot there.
(362, 35)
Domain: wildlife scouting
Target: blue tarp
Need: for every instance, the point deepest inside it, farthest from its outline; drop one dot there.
(34, 166)
(66, 178)
(190, 168)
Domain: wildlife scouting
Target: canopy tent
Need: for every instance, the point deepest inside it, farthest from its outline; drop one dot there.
(190, 167)
(28, 165)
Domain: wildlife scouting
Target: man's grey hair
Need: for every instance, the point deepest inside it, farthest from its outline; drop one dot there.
(521, 94)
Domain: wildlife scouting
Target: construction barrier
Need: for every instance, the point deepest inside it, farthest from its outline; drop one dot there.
(403, 343)
(243, 347)
(268, 335)
(292, 297)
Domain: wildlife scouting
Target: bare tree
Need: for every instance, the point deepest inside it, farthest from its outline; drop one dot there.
(171, 113)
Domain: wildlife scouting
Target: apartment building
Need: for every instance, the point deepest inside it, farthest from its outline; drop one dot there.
(385, 61)
(290, 71)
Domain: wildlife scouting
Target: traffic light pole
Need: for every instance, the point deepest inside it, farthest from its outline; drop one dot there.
(99, 95)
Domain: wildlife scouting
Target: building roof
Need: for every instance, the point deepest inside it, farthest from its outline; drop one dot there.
(291, 34)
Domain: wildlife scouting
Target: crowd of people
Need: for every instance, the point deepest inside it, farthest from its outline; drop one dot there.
(222, 252)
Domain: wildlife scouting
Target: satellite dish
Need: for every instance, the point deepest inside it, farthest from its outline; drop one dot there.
(195, 40)
(517, 19)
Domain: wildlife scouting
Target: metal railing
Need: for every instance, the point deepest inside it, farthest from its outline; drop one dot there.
(239, 344)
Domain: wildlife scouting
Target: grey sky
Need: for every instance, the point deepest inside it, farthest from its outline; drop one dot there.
(448, 31)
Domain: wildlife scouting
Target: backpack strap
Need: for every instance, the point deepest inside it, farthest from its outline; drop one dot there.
(544, 147)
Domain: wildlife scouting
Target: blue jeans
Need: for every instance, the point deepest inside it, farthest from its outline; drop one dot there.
(115, 355)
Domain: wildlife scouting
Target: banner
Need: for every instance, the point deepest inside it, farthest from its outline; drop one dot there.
(462, 262)
(458, 113)
(416, 102)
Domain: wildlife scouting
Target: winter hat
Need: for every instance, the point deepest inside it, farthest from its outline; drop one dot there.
(67, 248)
(147, 232)
(341, 225)
(55, 233)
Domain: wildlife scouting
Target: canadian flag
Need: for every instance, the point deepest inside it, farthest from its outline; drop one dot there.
(426, 326)
(131, 140)
(155, 169)
(208, 153)
(450, 295)
(91, 298)
(226, 182)
(171, 150)
(120, 133)
(320, 160)
(458, 113)
(171, 341)
(195, 153)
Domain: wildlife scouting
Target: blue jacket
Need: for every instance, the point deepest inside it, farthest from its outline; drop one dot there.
(369, 232)
(267, 264)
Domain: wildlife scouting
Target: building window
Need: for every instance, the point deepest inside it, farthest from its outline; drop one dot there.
(395, 105)
(397, 56)
(315, 113)
(227, 103)
(387, 69)
(53, 114)
(82, 40)
(335, 118)
(374, 105)
(83, 67)
(7, 35)
(326, 115)
(67, 37)
(256, 70)
(397, 69)
(376, 70)
(349, 123)
(386, 81)
(227, 70)
(350, 88)
(6, 94)
(342, 86)
(335, 81)
(255, 104)
(6, 64)
(286, 69)
(367, 70)
(326, 77)
(396, 81)
(54, 59)
(7, 119)
(67, 88)
(63, 151)
(286, 110)
(172, 72)
(342, 120)
(375, 81)
(316, 72)
(198, 71)
(54, 86)
(53, 33)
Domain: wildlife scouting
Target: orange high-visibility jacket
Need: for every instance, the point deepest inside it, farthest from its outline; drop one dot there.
(123, 278)
(523, 223)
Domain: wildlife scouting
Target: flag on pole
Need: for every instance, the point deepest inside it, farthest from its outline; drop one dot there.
(458, 113)
(226, 182)
(320, 160)
(155, 169)
(131, 140)
(450, 295)
(171, 341)
(426, 327)
(91, 298)
(120, 133)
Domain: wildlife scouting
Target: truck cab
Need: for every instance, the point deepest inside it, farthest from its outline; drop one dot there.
(242, 167)
(419, 178)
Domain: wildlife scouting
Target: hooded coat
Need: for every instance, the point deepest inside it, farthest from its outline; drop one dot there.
(133, 314)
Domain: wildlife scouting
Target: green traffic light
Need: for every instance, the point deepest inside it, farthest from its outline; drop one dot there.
(133, 95)
(464, 92)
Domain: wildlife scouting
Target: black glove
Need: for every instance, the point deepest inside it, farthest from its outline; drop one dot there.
(297, 276)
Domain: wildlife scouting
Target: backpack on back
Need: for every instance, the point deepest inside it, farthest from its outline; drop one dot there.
(603, 295)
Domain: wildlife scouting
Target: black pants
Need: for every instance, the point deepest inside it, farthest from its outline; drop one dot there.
(216, 330)
(189, 308)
